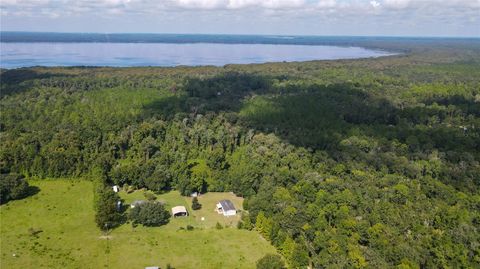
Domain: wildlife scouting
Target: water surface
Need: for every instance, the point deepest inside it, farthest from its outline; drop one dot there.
(14, 55)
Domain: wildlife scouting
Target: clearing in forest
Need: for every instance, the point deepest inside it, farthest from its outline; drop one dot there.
(55, 229)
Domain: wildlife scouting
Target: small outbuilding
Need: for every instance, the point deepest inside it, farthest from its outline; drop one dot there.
(226, 208)
(119, 206)
(152, 267)
(179, 211)
(116, 188)
(137, 203)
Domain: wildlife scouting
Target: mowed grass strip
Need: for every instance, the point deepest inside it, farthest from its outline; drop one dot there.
(55, 229)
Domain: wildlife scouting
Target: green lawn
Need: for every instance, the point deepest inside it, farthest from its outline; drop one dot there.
(63, 211)
(207, 212)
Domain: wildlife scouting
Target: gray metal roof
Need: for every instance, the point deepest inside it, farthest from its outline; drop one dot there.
(227, 205)
(138, 202)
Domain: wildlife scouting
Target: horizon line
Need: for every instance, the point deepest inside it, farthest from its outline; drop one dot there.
(243, 34)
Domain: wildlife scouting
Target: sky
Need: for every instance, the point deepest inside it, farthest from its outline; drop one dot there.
(459, 18)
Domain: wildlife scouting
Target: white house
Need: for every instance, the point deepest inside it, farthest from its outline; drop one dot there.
(226, 208)
(116, 188)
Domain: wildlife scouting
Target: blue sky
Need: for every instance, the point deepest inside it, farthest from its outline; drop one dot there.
(299, 17)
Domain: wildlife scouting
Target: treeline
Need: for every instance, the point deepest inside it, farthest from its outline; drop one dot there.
(369, 163)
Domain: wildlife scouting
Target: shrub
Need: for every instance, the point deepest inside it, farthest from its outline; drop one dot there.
(245, 222)
(149, 214)
(271, 261)
(218, 226)
(12, 187)
(129, 189)
(195, 204)
(190, 228)
(149, 196)
(34, 232)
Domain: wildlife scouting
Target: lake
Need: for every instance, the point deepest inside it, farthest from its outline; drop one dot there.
(24, 54)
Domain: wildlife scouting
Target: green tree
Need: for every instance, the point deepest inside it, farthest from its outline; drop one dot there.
(195, 204)
(106, 213)
(159, 180)
(264, 225)
(288, 248)
(149, 214)
(13, 187)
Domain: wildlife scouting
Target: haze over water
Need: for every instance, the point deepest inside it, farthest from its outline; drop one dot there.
(15, 54)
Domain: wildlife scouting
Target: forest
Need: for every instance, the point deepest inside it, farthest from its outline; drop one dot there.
(368, 163)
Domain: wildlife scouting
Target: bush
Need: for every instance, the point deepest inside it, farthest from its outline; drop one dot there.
(149, 214)
(195, 204)
(13, 187)
(190, 228)
(34, 232)
(149, 196)
(218, 226)
(245, 222)
(271, 261)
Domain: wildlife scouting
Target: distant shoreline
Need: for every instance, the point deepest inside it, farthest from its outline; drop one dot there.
(28, 37)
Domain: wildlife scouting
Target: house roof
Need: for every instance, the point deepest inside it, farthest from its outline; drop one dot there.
(179, 209)
(138, 202)
(227, 205)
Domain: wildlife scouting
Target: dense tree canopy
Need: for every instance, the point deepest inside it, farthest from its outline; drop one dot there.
(363, 163)
(149, 214)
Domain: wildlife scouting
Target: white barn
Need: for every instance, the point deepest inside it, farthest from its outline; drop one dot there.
(226, 208)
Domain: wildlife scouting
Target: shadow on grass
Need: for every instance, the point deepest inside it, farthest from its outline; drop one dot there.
(30, 191)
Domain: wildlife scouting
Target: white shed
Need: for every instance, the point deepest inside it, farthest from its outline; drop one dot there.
(226, 208)
(179, 211)
(116, 188)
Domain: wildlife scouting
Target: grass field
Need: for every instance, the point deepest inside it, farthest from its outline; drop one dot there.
(207, 212)
(55, 229)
